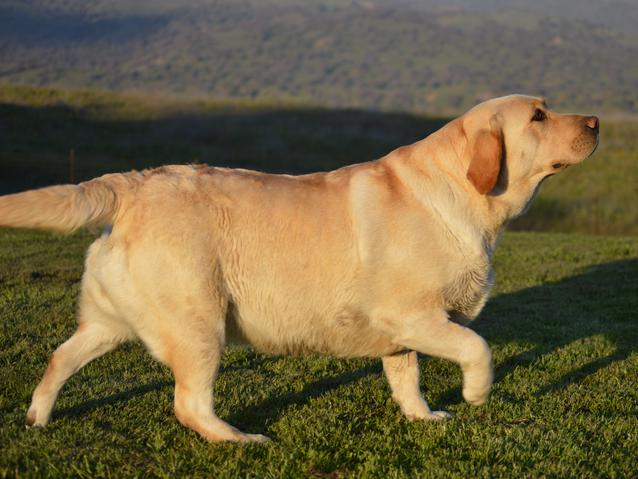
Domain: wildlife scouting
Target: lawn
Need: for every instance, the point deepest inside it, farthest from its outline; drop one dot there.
(561, 322)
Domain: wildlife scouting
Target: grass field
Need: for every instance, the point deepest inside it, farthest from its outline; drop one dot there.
(562, 325)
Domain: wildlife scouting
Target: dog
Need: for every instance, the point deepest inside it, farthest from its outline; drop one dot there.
(381, 259)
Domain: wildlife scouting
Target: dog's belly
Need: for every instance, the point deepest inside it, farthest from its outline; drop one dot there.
(345, 334)
(314, 319)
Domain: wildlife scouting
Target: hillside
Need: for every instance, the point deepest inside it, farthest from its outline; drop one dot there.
(114, 132)
(379, 54)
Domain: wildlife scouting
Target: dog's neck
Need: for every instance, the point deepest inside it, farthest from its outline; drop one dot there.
(434, 170)
(508, 202)
(433, 181)
(509, 199)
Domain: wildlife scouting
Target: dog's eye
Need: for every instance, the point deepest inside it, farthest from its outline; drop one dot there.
(539, 115)
(557, 165)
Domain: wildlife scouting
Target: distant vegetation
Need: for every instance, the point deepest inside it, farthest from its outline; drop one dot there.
(114, 132)
(407, 55)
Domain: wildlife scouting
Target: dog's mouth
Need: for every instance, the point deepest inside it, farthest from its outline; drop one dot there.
(593, 150)
(585, 145)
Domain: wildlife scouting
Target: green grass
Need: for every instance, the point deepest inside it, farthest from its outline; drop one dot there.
(562, 324)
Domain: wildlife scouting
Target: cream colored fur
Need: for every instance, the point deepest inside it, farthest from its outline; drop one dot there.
(379, 259)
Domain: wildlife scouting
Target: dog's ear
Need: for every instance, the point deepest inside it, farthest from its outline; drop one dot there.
(486, 152)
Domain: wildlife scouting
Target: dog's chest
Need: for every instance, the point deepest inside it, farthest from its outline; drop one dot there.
(468, 291)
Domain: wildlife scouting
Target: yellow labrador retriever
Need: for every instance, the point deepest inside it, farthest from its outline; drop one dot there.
(380, 259)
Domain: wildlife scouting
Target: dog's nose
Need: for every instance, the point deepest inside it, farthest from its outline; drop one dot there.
(592, 123)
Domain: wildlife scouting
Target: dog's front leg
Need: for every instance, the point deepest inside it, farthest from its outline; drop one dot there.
(402, 372)
(435, 335)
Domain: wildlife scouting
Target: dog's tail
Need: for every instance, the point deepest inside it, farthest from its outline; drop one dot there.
(66, 208)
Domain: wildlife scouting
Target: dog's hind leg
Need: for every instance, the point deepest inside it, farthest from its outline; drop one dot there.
(195, 365)
(97, 333)
(402, 372)
(189, 337)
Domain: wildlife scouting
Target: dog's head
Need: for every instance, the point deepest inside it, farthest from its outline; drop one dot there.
(515, 142)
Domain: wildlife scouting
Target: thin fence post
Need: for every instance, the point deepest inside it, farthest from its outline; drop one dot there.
(72, 166)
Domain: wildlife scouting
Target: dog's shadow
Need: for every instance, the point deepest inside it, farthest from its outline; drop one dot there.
(599, 301)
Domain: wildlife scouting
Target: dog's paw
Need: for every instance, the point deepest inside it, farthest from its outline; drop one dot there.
(476, 396)
(431, 416)
(438, 415)
(259, 438)
(31, 420)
